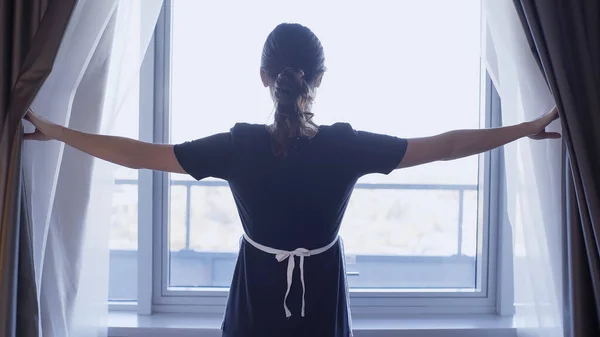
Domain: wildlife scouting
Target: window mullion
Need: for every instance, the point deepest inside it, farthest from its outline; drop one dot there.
(145, 202)
(161, 135)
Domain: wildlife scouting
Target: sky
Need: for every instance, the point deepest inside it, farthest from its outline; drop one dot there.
(404, 68)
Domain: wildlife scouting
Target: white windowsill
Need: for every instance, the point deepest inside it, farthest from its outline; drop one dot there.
(129, 324)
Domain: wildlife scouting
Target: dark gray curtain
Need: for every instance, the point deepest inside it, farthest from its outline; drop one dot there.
(30, 34)
(564, 36)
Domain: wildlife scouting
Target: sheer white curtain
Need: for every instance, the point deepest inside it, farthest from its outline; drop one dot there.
(533, 175)
(70, 192)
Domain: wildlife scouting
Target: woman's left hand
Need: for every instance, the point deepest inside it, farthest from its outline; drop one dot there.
(538, 126)
(44, 130)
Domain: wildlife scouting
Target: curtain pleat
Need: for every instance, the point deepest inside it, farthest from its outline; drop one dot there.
(30, 34)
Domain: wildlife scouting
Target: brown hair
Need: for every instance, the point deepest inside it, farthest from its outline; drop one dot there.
(293, 57)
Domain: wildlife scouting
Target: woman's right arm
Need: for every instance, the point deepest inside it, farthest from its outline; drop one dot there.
(119, 150)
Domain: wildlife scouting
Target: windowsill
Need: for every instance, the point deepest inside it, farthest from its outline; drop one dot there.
(129, 324)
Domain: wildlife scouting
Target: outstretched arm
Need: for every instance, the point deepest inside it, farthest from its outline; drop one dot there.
(119, 150)
(462, 143)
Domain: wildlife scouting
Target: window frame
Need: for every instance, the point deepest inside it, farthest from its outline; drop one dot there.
(153, 216)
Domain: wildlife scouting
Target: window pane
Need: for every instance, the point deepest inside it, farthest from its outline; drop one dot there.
(406, 68)
(124, 219)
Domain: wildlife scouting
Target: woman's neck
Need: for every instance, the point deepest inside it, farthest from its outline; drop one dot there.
(309, 132)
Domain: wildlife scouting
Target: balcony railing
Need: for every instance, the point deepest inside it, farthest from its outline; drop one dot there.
(188, 184)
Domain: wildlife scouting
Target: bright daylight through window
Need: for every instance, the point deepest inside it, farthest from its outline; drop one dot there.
(405, 68)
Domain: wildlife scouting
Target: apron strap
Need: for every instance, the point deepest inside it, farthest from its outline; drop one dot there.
(290, 256)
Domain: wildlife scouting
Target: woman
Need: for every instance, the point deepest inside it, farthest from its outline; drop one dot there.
(291, 181)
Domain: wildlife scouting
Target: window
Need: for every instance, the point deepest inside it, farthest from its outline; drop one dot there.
(419, 237)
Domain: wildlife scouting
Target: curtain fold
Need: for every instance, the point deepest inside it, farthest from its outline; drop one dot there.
(30, 34)
(565, 37)
(28, 314)
(67, 306)
(533, 175)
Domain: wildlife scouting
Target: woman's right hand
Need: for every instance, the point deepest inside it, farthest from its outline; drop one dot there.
(44, 130)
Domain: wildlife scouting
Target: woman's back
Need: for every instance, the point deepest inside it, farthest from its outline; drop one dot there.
(282, 201)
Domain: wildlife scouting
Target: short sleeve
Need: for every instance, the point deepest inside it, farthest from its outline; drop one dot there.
(206, 157)
(375, 153)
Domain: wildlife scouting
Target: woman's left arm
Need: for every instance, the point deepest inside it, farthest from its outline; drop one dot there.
(462, 143)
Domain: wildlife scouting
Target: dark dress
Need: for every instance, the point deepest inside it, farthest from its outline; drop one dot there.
(287, 203)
